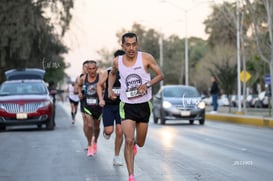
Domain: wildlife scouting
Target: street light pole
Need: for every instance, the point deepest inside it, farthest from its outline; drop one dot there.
(161, 55)
(186, 36)
(186, 50)
(238, 57)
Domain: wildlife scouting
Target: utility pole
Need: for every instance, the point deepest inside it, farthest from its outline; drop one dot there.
(161, 55)
(238, 57)
(186, 50)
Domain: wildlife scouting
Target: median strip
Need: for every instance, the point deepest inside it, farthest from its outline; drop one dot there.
(241, 119)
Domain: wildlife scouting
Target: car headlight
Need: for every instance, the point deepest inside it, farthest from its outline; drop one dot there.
(201, 105)
(44, 103)
(166, 104)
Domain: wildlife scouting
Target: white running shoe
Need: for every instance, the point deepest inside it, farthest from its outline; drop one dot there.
(106, 136)
(117, 161)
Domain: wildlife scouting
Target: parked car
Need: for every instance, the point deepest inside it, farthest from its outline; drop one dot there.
(251, 99)
(262, 100)
(235, 101)
(178, 102)
(25, 100)
(222, 100)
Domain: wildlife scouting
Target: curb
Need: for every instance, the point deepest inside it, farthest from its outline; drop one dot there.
(242, 119)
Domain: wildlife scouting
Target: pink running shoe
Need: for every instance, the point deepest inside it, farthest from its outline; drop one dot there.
(90, 151)
(95, 148)
(131, 178)
(94, 145)
(135, 149)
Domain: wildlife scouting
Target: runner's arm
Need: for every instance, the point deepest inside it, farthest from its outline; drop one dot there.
(152, 64)
(100, 87)
(111, 79)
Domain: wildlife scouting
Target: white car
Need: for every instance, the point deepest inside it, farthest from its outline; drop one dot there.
(261, 101)
(222, 100)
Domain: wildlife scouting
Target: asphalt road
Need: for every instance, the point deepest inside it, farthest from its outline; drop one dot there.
(173, 152)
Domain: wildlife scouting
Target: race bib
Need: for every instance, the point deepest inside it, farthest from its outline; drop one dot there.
(132, 93)
(91, 101)
(116, 91)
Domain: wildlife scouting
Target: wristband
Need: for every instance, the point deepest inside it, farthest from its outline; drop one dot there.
(148, 85)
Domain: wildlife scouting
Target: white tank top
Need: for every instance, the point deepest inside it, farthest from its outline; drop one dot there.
(71, 94)
(130, 79)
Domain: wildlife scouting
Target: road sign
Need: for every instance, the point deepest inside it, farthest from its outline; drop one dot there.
(267, 79)
(245, 76)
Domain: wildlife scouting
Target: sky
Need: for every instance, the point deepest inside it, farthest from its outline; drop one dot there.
(95, 23)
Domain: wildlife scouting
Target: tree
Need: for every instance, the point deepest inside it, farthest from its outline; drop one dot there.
(221, 62)
(254, 63)
(173, 48)
(221, 25)
(198, 48)
(173, 60)
(263, 34)
(29, 37)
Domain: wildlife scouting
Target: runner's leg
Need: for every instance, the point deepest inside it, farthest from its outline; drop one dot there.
(118, 139)
(96, 129)
(89, 122)
(128, 127)
(141, 133)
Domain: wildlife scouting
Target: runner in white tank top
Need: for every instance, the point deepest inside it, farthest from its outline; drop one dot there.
(131, 78)
(135, 95)
(71, 94)
(73, 99)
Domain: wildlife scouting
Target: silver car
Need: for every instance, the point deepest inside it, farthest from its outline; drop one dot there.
(178, 102)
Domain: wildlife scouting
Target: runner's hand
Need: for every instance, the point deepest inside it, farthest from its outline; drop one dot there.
(142, 89)
(112, 95)
(80, 95)
(102, 103)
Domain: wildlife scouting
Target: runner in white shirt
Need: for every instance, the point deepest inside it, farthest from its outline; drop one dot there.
(135, 94)
(73, 99)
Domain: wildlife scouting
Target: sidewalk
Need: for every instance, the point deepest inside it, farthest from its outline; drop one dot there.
(256, 117)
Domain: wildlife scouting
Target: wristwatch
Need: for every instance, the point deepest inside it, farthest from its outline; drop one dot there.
(148, 85)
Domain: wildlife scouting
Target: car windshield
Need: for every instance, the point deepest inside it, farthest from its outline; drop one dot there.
(22, 88)
(180, 92)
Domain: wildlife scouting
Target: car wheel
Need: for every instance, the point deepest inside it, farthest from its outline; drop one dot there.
(50, 124)
(202, 121)
(191, 121)
(2, 127)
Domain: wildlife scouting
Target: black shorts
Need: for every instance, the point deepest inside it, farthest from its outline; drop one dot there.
(94, 111)
(82, 105)
(137, 112)
(73, 102)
